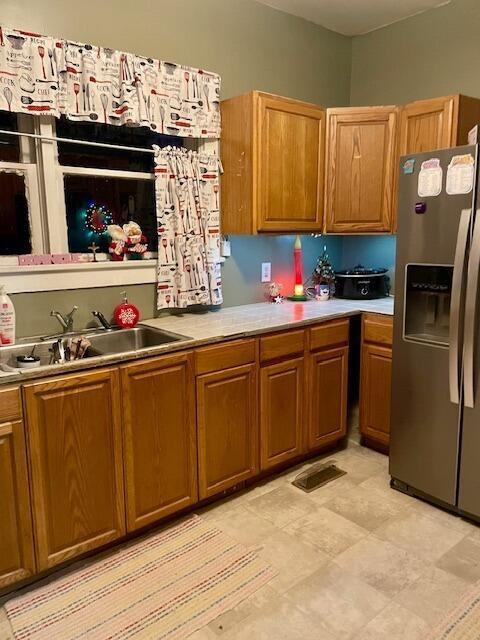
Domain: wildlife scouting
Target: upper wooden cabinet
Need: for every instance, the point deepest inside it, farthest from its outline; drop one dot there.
(437, 123)
(16, 537)
(159, 437)
(75, 450)
(273, 158)
(361, 160)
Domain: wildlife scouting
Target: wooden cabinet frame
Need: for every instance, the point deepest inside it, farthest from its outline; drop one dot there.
(42, 503)
(207, 464)
(268, 423)
(247, 151)
(335, 182)
(17, 561)
(318, 403)
(151, 482)
(375, 391)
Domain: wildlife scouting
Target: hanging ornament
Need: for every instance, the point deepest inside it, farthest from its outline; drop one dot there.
(126, 314)
(97, 218)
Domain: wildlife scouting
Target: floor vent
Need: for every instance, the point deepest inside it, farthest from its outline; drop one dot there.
(317, 476)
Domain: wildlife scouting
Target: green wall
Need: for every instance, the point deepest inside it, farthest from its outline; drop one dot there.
(431, 54)
(250, 45)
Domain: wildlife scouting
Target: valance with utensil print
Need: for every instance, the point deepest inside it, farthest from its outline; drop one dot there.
(45, 75)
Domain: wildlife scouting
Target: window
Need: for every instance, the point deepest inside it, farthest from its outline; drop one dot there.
(125, 198)
(48, 187)
(20, 222)
(15, 238)
(119, 180)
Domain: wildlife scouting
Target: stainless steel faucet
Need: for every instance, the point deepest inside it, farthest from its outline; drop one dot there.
(103, 321)
(65, 320)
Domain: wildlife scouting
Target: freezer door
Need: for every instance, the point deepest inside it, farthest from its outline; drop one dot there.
(469, 476)
(433, 235)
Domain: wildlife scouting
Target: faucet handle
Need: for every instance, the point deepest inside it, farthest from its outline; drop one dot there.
(70, 315)
(101, 318)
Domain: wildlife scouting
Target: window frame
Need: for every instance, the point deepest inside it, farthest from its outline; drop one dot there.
(48, 219)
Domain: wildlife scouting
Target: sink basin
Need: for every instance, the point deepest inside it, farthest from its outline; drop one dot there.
(102, 343)
(8, 355)
(119, 341)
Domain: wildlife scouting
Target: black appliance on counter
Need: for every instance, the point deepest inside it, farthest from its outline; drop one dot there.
(360, 283)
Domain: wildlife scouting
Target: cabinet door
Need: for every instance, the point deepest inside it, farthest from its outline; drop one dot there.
(160, 438)
(16, 539)
(328, 396)
(281, 412)
(227, 428)
(427, 125)
(375, 390)
(361, 161)
(75, 448)
(291, 161)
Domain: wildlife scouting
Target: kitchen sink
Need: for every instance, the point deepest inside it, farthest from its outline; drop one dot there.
(41, 349)
(102, 342)
(119, 341)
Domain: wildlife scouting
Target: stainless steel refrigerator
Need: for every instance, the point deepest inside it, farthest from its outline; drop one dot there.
(435, 426)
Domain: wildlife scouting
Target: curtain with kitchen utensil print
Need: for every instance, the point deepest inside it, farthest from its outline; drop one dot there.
(188, 218)
(45, 75)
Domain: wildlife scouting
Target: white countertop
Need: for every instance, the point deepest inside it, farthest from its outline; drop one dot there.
(250, 319)
(214, 326)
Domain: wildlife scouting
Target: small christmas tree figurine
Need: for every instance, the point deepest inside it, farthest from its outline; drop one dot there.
(323, 272)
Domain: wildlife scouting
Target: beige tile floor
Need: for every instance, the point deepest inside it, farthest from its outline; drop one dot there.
(355, 559)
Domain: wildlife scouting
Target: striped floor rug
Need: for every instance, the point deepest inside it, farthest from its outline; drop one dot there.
(166, 586)
(463, 623)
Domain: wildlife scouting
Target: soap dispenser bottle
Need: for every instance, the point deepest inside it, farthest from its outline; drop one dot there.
(7, 319)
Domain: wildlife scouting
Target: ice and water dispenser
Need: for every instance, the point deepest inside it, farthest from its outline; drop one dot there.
(428, 291)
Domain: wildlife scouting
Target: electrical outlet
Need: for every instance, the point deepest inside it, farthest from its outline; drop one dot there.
(225, 249)
(266, 271)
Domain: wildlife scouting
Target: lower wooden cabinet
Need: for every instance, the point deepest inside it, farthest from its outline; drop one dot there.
(376, 379)
(75, 450)
(227, 428)
(160, 443)
(113, 450)
(281, 411)
(16, 539)
(328, 373)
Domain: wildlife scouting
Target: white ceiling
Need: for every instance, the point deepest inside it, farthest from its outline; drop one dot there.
(354, 17)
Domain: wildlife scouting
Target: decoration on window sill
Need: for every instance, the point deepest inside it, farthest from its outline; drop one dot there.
(136, 242)
(274, 292)
(97, 218)
(29, 259)
(84, 82)
(188, 221)
(127, 240)
(94, 248)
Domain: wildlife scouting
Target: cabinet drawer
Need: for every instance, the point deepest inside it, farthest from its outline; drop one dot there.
(10, 404)
(225, 355)
(329, 334)
(288, 343)
(378, 329)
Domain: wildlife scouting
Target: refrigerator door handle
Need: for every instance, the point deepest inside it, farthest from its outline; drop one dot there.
(456, 300)
(470, 316)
